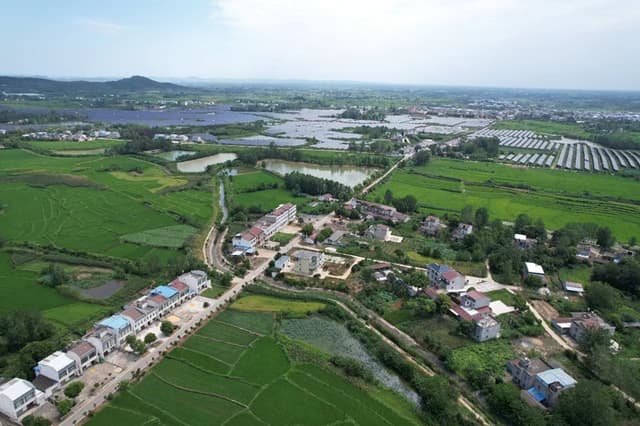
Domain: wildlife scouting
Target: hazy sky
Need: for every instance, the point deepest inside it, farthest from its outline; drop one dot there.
(513, 43)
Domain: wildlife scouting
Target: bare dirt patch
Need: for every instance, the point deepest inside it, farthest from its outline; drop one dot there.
(547, 311)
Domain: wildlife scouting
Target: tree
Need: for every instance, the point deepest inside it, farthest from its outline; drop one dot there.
(307, 229)
(504, 398)
(73, 389)
(465, 328)
(438, 397)
(601, 296)
(481, 218)
(167, 328)
(64, 407)
(225, 279)
(407, 204)
(605, 238)
(466, 215)
(388, 197)
(150, 338)
(422, 157)
(443, 303)
(587, 393)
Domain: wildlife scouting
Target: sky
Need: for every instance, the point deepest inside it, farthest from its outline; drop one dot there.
(572, 44)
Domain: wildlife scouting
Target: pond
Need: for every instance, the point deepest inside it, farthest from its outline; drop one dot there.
(174, 155)
(334, 338)
(350, 176)
(199, 165)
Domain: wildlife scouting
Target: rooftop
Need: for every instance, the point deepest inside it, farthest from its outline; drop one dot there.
(133, 313)
(15, 388)
(116, 322)
(438, 268)
(475, 295)
(520, 237)
(165, 291)
(534, 268)
(556, 375)
(158, 299)
(573, 287)
(57, 360)
(42, 383)
(450, 274)
(305, 254)
(82, 348)
(179, 285)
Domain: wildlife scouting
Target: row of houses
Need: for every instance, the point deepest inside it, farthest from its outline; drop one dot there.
(17, 396)
(264, 228)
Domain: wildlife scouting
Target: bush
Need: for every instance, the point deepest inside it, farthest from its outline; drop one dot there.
(73, 389)
(150, 338)
(31, 420)
(167, 328)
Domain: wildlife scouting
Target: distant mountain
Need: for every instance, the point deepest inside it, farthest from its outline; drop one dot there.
(49, 87)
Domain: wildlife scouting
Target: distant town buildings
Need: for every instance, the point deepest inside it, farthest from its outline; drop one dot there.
(67, 135)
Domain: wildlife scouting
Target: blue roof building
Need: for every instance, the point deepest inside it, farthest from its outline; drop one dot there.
(550, 384)
(116, 322)
(165, 291)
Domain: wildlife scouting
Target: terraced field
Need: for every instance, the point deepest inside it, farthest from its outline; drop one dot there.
(556, 197)
(256, 383)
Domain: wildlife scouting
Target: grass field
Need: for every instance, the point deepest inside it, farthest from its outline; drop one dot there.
(20, 290)
(73, 146)
(273, 304)
(244, 190)
(214, 291)
(99, 200)
(260, 386)
(556, 197)
(170, 236)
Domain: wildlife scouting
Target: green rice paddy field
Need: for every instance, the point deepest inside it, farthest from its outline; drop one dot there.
(245, 191)
(555, 196)
(88, 204)
(235, 372)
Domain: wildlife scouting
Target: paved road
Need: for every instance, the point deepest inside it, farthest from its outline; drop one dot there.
(80, 411)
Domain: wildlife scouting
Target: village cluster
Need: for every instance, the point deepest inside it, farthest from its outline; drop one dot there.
(19, 396)
(68, 135)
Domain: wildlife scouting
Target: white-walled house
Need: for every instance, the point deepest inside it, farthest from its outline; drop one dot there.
(197, 281)
(17, 396)
(58, 367)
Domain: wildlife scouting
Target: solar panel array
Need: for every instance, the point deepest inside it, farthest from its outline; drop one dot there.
(570, 156)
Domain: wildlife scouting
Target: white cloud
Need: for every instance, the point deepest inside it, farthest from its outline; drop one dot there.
(102, 26)
(501, 42)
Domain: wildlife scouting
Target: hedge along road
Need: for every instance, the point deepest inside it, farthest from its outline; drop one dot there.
(399, 334)
(81, 410)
